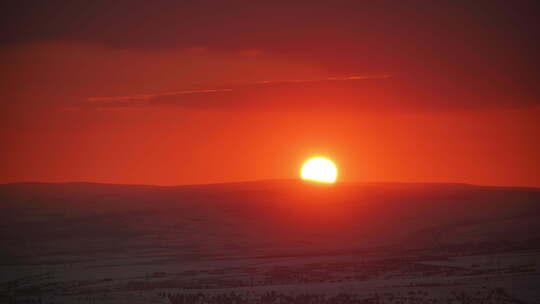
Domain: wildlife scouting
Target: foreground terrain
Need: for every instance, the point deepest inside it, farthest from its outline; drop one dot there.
(269, 242)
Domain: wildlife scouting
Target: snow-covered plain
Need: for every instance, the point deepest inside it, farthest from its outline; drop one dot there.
(380, 243)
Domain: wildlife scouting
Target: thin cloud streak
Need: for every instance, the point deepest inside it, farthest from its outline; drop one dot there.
(150, 97)
(140, 97)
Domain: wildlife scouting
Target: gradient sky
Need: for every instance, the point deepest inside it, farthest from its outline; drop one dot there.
(181, 92)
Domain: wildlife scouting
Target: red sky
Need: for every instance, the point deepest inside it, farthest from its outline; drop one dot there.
(212, 91)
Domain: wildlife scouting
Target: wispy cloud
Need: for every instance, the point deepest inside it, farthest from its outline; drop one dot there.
(139, 97)
(264, 84)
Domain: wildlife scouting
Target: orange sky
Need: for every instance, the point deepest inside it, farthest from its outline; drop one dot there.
(249, 93)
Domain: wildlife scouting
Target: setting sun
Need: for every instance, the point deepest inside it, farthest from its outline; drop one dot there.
(319, 169)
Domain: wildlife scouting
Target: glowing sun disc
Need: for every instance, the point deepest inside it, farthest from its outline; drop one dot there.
(319, 169)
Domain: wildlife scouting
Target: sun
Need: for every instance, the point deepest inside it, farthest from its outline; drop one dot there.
(319, 169)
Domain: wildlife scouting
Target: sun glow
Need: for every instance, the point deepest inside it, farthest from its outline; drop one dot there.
(319, 169)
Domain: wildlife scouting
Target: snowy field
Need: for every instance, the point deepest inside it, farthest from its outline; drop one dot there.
(252, 243)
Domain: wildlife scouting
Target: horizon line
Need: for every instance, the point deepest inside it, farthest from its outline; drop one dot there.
(271, 180)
